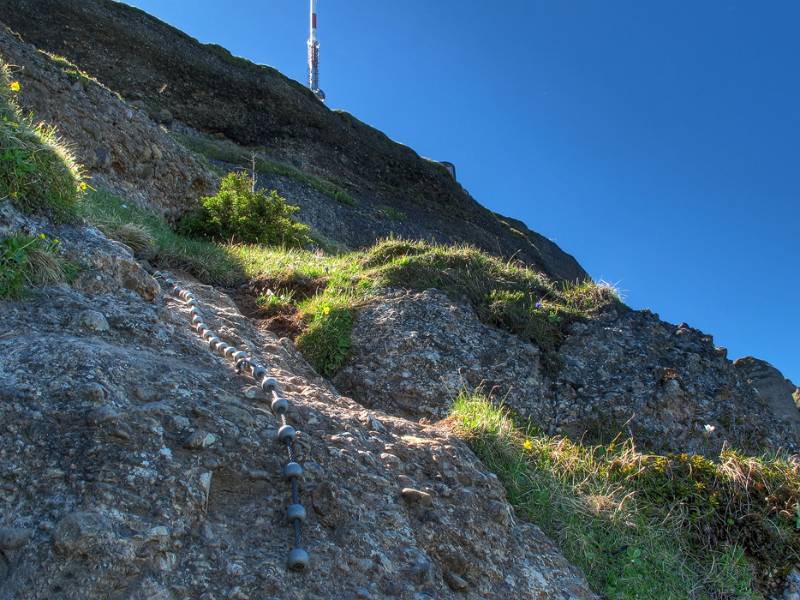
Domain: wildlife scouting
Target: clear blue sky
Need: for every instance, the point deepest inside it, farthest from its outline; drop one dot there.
(657, 142)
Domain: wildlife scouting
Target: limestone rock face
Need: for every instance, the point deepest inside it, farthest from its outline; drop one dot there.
(623, 372)
(137, 464)
(413, 352)
(118, 145)
(772, 387)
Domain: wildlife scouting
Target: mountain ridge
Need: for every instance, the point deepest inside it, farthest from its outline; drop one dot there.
(207, 88)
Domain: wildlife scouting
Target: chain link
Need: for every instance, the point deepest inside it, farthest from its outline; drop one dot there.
(298, 559)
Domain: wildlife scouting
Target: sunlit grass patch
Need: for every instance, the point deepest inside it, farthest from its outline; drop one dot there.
(645, 526)
(513, 297)
(38, 173)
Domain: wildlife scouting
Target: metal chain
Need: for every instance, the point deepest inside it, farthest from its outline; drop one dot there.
(292, 471)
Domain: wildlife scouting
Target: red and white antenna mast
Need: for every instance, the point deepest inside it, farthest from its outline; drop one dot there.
(313, 55)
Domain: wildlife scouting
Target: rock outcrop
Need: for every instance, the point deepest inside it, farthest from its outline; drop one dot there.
(623, 372)
(120, 147)
(137, 464)
(773, 388)
(206, 88)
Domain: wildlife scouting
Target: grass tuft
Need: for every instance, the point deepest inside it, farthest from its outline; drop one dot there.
(646, 526)
(37, 171)
(28, 261)
(136, 237)
(326, 340)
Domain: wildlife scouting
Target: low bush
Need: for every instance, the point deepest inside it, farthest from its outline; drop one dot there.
(37, 172)
(646, 526)
(238, 213)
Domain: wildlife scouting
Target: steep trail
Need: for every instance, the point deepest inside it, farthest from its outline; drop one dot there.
(137, 462)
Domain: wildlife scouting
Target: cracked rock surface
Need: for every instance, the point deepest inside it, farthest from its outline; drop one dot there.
(622, 372)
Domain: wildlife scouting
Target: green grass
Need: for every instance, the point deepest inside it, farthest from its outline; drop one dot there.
(515, 298)
(646, 526)
(391, 213)
(71, 70)
(326, 340)
(29, 261)
(37, 172)
(233, 154)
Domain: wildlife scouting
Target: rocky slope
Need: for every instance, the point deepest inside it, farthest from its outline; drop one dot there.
(208, 89)
(139, 465)
(623, 372)
(120, 147)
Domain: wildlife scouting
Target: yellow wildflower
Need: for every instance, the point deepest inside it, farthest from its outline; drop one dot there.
(83, 185)
(527, 444)
(14, 85)
(326, 310)
(42, 236)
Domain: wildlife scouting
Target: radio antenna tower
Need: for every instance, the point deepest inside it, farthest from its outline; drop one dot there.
(313, 55)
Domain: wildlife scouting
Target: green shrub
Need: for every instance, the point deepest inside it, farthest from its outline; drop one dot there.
(240, 214)
(646, 526)
(37, 172)
(28, 261)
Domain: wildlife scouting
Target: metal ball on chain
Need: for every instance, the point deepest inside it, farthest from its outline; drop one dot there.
(293, 470)
(298, 559)
(279, 406)
(286, 433)
(295, 512)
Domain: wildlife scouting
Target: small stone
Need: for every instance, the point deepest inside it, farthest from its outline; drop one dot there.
(456, 582)
(416, 496)
(158, 533)
(12, 538)
(375, 424)
(200, 439)
(78, 532)
(164, 116)
(94, 392)
(93, 320)
(103, 414)
(102, 159)
(258, 474)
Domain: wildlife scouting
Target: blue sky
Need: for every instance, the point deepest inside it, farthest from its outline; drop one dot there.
(656, 142)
